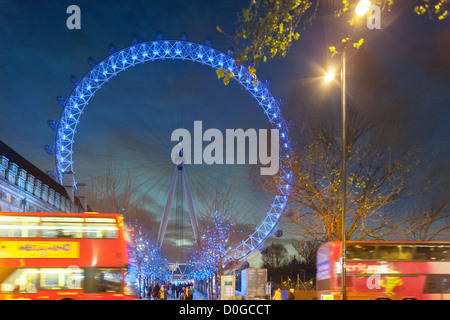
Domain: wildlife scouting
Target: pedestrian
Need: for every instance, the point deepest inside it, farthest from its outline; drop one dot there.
(162, 293)
(291, 294)
(149, 290)
(186, 293)
(172, 290)
(155, 292)
(277, 295)
(182, 293)
(191, 292)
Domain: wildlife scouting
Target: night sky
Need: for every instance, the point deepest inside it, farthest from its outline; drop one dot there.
(130, 119)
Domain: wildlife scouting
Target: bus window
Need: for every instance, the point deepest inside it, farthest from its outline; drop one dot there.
(445, 253)
(387, 253)
(439, 253)
(432, 253)
(361, 252)
(24, 280)
(406, 252)
(445, 283)
(437, 283)
(60, 279)
(18, 226)
(101, 228)
(62, 227)
(5, 272)
(108, 280)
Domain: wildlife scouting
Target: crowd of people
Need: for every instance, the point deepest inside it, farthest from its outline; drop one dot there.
(182, 291)
(185, 291)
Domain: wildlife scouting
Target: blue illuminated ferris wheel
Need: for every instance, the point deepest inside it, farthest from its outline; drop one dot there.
(137, 53)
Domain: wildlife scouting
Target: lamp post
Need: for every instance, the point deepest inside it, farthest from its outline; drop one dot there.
(344, 179)
(328, 78)
(361, 9)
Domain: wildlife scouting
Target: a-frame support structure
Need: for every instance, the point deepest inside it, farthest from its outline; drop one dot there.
(179, 170)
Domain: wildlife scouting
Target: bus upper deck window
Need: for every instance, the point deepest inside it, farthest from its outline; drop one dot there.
(62, 227)
(406, 252)
(361, 252)
(101, 228)
(387, 252)
(18, 226)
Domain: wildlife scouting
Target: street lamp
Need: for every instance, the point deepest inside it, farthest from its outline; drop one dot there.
(344, 178)
(328, 78)
(361, 9)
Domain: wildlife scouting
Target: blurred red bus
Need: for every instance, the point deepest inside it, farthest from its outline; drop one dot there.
(385, 270)
(49, 256)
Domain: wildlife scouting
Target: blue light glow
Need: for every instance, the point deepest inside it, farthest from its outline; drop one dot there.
(183, 50)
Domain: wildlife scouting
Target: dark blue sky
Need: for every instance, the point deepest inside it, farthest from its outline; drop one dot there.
(131, 118)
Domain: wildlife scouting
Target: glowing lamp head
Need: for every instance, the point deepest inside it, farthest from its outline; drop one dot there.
(329, 76)
(362, 7)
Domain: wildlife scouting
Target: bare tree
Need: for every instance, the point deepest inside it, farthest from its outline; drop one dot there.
(275, 256)
(307, 250)
(117, 192)
(431, 224)
(220, 219)
(222, 200)
(386, 155)
(429, 212)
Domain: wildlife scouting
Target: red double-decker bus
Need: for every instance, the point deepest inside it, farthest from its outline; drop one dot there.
(51, 256)
(385, 270)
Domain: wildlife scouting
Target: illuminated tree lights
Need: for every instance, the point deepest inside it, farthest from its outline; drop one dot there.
(147, 260)
(213, 250)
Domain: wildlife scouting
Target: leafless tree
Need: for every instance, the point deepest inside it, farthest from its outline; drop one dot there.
(117, 192)
(429, 212)
(387, 160)
(307, 250)
(221, 221)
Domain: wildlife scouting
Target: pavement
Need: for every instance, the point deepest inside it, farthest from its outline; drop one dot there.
(197, 296)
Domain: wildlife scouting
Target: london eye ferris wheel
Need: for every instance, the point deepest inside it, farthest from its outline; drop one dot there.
(101, 75)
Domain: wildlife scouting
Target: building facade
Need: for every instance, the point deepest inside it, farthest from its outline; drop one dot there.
(24, 187)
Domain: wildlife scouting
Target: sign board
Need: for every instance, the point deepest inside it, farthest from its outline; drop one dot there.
(227, 288)
(39, 249)
(253, 283)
